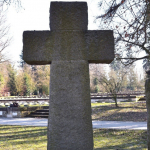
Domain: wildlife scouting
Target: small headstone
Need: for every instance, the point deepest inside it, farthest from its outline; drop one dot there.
(9, 115)
(14, 113)
(20, 103)
(7, 104)
(46, 103)
(31, 103)
(26, 104)
(14, 104)
(2, 104)
(35, 103)
(41, 102)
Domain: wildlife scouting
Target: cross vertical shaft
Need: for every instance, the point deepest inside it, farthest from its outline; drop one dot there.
(70, 125)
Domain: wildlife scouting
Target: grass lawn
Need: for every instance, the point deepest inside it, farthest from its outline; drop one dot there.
(100, 104)
(23, 138)
(127, 111)
(35, 138)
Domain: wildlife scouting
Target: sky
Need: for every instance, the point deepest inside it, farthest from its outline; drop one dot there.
(34, 15)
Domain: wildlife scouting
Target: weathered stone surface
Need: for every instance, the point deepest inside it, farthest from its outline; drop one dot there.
(100, 46)
(70, 16)
(93, 46)
(70, 125)
(69, 47)
(37, 47)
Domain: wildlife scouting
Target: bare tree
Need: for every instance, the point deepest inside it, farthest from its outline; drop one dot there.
(132, 35)
(113, 83)
(4, 35)
(9, 2)
(130, 22)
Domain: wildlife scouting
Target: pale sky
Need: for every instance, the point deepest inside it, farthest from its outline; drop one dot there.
(34, 15)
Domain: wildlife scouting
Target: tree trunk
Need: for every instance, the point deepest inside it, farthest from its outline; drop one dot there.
(147, 93)
(115, 98)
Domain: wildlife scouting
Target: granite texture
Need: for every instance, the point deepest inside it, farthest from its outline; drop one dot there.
(70, 125)
(37, 47)
(42, 47)
(69, 47)
(68, 15)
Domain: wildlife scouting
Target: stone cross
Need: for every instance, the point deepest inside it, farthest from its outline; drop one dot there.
(69, 47)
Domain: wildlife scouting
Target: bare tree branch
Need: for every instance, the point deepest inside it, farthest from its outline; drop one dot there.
(5, 39)
(132, 34)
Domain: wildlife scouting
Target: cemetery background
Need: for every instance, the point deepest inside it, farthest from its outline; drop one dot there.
(24, 139)
(30, 78)
(33, 80)
(30, 85)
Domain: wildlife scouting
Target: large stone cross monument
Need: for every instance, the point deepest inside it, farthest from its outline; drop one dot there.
(69, 47)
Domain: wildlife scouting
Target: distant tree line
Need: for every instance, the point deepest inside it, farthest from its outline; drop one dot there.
(25, 81)
(118, 79)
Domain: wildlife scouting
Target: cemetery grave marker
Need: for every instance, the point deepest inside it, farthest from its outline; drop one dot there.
(69, 47)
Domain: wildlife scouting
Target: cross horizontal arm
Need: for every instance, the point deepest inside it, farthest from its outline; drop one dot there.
(42, 47)
(100, 46)
(37, 47)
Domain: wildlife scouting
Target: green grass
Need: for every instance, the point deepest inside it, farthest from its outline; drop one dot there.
(23, 138)
(125, 104)
(127, 111)
(100, 104)
(35, 138)
(120, 139)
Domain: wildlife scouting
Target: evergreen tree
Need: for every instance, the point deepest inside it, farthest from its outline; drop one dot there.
(95, 82)
(12, 80)
(19, 82)
(29, 84)
(26, 85)
(42, 78)
(1, 80)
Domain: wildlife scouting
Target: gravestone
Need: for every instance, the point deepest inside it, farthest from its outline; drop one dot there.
(69, 47)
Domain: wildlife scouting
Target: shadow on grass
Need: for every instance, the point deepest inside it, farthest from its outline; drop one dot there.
(28, 134)
(127, 139)
(19, 132)
(114, 139)
(26, 142)
(15, 136)
(5, 127)
(123, 116)
(125, 112)
(126, 146)
(113, 107)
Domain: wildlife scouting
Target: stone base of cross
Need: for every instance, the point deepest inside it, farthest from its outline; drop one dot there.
(69, 47)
